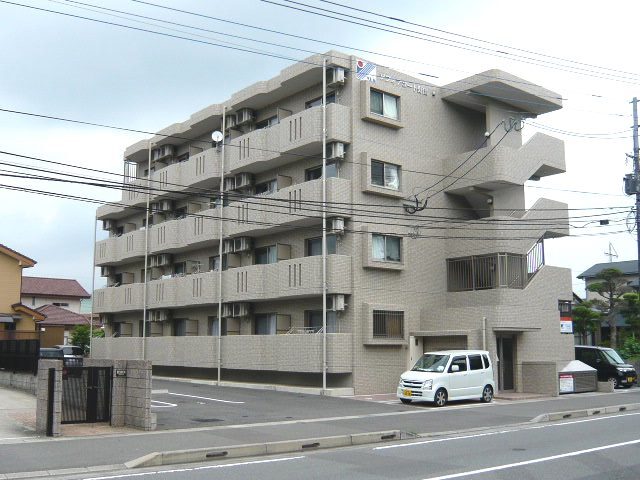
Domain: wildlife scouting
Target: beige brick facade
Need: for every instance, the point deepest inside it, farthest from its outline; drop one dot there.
(395, 308)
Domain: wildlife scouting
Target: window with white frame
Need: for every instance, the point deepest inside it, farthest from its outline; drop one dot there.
(266, 255)
(316, 172)
(384, 104)
(388, 324)
(386, 248)
(385, 175)
(313, 321)
(313, 246)
(266, 188)
(264, 324)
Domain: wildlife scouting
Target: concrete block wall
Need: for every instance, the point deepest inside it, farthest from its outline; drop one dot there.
(539, 377)
(42, 397)
(20, 381)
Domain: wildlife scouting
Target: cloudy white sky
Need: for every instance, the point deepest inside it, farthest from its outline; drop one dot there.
(67, 67)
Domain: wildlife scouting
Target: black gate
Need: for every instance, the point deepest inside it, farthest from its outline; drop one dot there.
(86, 394)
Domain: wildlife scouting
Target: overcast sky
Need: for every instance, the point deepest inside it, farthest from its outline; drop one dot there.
(68, 67)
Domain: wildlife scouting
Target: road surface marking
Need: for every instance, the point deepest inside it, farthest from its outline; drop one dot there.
(202, 398)
(164, 404)
(192, 469)
(534, 461)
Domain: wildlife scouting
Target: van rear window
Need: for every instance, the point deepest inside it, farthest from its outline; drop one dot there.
(475, 362)
(485, 359)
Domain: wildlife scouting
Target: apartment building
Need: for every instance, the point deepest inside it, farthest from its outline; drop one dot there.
(464, 269)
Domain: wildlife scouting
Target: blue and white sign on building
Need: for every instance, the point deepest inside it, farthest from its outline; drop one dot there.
(366, 71)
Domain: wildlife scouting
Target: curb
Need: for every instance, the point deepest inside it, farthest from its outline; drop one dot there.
(271, 448)
(586, 412)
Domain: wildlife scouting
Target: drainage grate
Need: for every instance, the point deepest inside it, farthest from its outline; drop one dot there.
(206, 420)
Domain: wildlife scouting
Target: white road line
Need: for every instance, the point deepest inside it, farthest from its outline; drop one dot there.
(534, 461)
(164, 404)
(202, 398)
(192, 469)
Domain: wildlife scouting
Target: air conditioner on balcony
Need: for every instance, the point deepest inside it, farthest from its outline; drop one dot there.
(228, 245)
(227, 309)
(335, 76)
(162, 152)
(229, 184)
(230, 121)
(155, 154)
(336, 225)
(242, 244)
(107, 271)
(108, 224)
(244, 116)
(335, 150)
(159, 315)
(244, 180)
(161, 260)
(336, 303)
(165, 205)
(241, 309)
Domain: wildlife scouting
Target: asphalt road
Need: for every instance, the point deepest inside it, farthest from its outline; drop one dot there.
(594, 448)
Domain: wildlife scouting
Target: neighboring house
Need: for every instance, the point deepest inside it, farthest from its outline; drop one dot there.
(629, 269)
(61, 317)
(61, 292)
(465, 271)
(16, 319)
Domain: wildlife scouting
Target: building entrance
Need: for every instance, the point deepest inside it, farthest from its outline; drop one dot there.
(506, 361)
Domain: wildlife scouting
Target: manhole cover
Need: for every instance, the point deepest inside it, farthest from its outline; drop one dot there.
(206, 420)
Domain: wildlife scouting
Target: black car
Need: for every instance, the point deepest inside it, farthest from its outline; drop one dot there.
(609, 364)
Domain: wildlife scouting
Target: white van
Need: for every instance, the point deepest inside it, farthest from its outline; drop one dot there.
(448, 375)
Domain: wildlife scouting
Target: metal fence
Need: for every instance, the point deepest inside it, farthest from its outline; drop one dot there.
(388, 324)
(20, 355)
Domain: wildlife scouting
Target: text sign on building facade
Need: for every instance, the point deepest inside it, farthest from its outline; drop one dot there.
(368, 71)
(566, 320)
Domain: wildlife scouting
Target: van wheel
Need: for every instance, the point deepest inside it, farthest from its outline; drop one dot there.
(406, 401)
(614, 380)
(487, 394)
(440, 398)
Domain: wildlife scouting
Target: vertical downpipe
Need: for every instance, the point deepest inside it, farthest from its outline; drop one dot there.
(220, 235)
(93, 285)
(324, 225)
(146, 259)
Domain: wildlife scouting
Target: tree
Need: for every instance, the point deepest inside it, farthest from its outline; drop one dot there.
(586, 319)
(630, 310)
(611, 285)
(80, 336)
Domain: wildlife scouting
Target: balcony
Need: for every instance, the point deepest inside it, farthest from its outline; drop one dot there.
(119, 299)
(239, 352)
(193, 231)
(506, 167)
(184, 291)
(201, 170)
(115, 250)
(297, 135)
(295, 278)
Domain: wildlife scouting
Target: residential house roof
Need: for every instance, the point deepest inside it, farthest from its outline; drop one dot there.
(53, 287)
(627, 267)
(21, 308)
(23, 259)
(61, 316)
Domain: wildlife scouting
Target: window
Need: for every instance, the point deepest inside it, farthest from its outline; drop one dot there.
(264, 324)
(215, 201)
(485, 359)
(316, 102)
(214, 325)
(214, 263)
(475, 362)
(60, 304)
(316, 172)
(461, 362)
(266, 255)
(313, 320)
(385, 174)
(269, 122)
(384, 104)
(385, 248)
(388, 324)
(313, 246)
(266, 188)
(33, 301)
(179, 327)
(179, 269)
(180, 213)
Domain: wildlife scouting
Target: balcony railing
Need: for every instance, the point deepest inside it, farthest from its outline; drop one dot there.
(496, 270)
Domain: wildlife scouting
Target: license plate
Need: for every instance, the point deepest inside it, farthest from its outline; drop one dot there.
(406, 392)
(630, 379)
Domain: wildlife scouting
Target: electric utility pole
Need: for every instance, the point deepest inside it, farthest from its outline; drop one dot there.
(632, 181)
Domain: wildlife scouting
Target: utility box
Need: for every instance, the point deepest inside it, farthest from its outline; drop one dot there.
(577, 377)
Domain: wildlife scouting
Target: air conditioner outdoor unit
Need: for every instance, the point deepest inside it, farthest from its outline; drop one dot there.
(229, 184)
(335, 150)
(230, 121)
(164, 151)
(155, 154)
(336, 303)
(107, 271)
(241, 309)
(335, 76)
(336, 225)
(242, 244)
(227, 309)
(159, 315)
(161, 260)
(108, 224)
(165, 205)
(244, 180)
(244, 116)
(228, 245)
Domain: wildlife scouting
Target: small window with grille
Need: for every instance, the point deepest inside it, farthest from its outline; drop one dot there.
(388, 324)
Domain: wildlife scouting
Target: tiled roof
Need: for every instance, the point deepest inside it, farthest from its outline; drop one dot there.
(61, 316)
(627, 267)
(53, 287)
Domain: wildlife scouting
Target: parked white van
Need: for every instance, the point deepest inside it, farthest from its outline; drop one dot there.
(448, 375)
